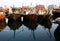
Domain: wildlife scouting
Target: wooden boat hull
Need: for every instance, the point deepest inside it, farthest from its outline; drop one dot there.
(31, 25)
(44, 17)
(31, 17)
(14, 25)
(14, 17)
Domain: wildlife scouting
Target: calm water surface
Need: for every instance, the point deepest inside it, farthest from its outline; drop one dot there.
(28, 31)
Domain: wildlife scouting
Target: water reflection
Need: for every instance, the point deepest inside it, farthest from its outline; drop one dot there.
(14, 25)
(29, 31)
(31, 26)
(46, 23)
(2, 26)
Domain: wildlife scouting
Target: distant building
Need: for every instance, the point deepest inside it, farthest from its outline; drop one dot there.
(1, 9)
(59, 6)
(40, 7)
(50, 7)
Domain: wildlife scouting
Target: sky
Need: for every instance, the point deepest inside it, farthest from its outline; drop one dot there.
(18, 3)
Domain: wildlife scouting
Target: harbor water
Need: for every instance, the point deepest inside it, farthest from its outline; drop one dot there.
(28, 31)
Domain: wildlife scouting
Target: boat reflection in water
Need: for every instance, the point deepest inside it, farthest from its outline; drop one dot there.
(2, 25)
(14, 25)
(31, 26)
(47, 24)
(27, 31)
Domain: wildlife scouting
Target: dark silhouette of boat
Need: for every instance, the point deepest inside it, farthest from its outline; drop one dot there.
(44, 17)
(30, 17)
(14, 24)
(57, 33)
(56, 13)
(2, 25)
(14, 14)
(14, 17)
(31, 25)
